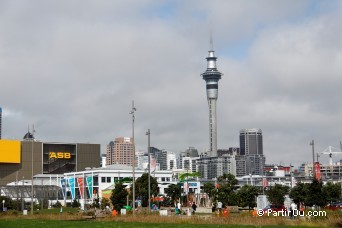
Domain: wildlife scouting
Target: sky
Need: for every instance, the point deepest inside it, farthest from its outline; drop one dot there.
(73, 68)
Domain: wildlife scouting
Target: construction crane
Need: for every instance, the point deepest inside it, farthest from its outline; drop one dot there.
(330, 151)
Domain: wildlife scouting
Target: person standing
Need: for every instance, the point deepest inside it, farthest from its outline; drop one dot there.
(194, 207)
(293, 211)
(219, 207)
(179, 205)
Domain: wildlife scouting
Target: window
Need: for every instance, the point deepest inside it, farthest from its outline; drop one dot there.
(108, 179)
(163, 179)
(103, 179)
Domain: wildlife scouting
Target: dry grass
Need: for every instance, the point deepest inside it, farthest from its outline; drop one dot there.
(332, 220)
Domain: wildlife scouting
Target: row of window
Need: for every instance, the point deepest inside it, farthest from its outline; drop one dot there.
(109, 179)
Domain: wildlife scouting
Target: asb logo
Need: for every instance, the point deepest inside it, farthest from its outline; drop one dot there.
(66, 155)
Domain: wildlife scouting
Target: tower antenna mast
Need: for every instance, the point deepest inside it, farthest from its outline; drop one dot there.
(211, 41)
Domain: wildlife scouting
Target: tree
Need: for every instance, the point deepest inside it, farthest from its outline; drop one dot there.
(174, 191)
(104, 202)
(229, 179)
(276, 194)
(227, 185)
(141, 188)
(332, 192)
(209, 188)
(315, 194)
(118, 197)
(8, 202)
(247, 196)
(299, 192)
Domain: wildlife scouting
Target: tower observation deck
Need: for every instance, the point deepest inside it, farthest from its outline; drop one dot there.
(211, 77)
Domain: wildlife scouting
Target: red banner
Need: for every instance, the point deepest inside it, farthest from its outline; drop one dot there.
(264, 182)
(81, 186)
(317, 171)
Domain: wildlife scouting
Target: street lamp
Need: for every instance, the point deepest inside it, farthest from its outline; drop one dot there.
(3, 205)
(148, 133)
(133, 159)
(291, 175)
(32, 170)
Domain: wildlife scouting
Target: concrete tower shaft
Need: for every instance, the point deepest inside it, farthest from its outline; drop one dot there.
(211, 77)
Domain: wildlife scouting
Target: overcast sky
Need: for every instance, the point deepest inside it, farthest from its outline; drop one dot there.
(72, 68)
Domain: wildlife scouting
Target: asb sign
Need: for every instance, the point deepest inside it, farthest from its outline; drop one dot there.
(60, 155)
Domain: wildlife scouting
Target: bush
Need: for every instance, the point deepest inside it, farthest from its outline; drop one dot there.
(12, 212)
(95, 204)
(89, 213)
(104, 202)
(57, 205)
(75, 203)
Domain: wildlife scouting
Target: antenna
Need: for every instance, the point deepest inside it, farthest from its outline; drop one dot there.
(211, 40)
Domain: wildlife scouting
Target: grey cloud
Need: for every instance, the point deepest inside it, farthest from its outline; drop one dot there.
(73, 68)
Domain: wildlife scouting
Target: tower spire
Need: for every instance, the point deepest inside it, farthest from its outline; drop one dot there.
(211, 41)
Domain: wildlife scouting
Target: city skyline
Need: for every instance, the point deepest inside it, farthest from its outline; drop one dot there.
(72, 70)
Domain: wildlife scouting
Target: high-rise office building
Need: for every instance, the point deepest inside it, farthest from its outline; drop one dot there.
(110, 153)
(251, 147)
(160, 156)
(251, 142)
(0, 121)
(255, 164)
(190, 152)
(120, 151)
(171, 161)
(213, 167)
(211, 77)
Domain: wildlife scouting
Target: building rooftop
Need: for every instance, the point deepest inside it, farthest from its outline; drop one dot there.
(116, 167)
(28, 136)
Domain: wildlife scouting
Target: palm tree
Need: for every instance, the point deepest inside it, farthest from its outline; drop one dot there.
(184, 177)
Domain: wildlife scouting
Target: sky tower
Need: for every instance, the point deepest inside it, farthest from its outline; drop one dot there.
(211, 77)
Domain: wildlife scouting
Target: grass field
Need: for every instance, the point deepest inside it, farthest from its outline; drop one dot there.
(83, 224)
(72, 218)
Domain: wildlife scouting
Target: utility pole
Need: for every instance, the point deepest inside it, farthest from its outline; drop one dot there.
(312, 143)
(21, 195)
(263, 187)
(148, 133)
(133, 158)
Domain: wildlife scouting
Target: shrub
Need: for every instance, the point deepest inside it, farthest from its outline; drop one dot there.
(57, 205)
(75, 203)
